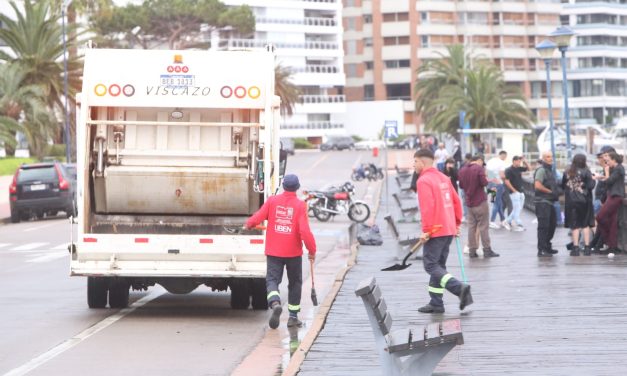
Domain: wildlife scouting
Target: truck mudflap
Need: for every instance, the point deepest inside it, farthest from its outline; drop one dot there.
(169, 256)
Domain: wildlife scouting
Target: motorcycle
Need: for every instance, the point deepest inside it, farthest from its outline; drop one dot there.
(367, 171)
(325, 204)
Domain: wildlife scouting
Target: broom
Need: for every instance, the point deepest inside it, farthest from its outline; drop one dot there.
(314, 297)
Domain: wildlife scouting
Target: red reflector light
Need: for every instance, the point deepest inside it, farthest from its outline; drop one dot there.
(141, 240)
(256, 241)
(13, 186)
(206, 241)
(90, 240)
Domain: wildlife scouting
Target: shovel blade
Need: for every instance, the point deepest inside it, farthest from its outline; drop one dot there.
(396, 267)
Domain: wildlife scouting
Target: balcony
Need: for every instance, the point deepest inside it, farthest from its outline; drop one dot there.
(289, 4)
(321, 104)
(318, 75)
(310, 25)
(313, 125)
(314, 48)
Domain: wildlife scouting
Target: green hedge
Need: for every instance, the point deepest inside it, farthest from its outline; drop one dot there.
(8, 166)
(56, 150)
(302, 143)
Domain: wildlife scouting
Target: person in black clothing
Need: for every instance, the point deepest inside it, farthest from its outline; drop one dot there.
(577, 184)
(546, 193)
(608, 215)
(514, 185)
(599, 195)
(457, 155)
(451, 171)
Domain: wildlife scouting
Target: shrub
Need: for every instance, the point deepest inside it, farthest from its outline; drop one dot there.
(302, 143)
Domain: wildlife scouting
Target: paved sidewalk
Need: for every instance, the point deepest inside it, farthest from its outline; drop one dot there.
(561, 316)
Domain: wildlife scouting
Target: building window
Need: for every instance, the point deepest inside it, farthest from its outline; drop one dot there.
(398, 91)
(395, 17)
(392, 64)
(393, 41)
(351, 47)
(424, 40)
(367, 18)
(350, 23)
(368, 92)
(368, 42)
(424, 17)
(369, 65)
(351, 70)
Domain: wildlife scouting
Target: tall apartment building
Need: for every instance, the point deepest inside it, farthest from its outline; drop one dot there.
(307, 35)
(387, 40)
(597, 72)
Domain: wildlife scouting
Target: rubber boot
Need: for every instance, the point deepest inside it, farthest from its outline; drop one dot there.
(275, 317)
(431, 309)
(465, 298)
(293, 321)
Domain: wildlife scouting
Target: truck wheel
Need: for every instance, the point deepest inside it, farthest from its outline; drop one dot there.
(15, 216)
(118, 294)
(97, 288)
(240, 294)
(259, 294)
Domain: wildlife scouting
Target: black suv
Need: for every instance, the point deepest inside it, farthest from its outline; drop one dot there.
(41, 188)
(338, 143)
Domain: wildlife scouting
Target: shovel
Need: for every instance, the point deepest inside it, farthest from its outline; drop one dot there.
(314, 297)
(404, 265)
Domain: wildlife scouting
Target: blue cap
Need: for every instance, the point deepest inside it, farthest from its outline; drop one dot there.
(291, 183)
(606, 149)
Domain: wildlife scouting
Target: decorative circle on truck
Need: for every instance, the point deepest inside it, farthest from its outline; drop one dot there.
(240, 92)
(114, 90)
(177, 69)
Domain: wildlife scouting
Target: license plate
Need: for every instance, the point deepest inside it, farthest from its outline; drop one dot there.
(177, 80)
(38, 187)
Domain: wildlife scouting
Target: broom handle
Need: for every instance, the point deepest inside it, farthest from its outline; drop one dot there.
(312, 272)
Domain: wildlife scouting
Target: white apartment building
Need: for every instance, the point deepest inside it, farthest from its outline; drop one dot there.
(387, 40)
(597, 71)
(307, 35)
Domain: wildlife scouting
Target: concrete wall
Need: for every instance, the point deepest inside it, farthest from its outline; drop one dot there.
(366, 119)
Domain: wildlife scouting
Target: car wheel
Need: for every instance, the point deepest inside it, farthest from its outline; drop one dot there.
(335, 147)
(15, 216)
(40, 215)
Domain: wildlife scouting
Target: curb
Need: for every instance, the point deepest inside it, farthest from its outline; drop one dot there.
(297, 359)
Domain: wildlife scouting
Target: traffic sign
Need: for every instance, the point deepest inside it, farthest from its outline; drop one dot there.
(391, 129)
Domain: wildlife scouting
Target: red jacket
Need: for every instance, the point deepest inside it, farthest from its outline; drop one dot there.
(439, 203)
(288, 226)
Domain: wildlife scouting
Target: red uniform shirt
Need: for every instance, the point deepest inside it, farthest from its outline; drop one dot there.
(288, 226)
(439, 203)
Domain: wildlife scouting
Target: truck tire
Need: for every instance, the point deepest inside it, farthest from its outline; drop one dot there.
(240, 294)
(15, 216)
(97, 288)
(118, 294)
(259, 294)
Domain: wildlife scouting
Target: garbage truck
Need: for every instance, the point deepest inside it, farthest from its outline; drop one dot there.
(175, 149)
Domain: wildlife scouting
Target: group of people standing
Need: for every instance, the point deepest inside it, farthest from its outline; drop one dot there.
(592, 201)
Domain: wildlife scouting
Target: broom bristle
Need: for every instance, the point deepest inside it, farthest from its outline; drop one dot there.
(314, 298)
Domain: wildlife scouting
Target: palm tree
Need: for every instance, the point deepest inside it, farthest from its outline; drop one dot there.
(285, 89)
(487, 100)
(23, 108)
(435, 74)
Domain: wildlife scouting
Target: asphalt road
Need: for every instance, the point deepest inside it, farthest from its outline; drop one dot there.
(47, 328)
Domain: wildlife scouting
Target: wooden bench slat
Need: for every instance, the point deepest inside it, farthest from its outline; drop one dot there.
(365, 286)
(399, 340)
(374, 296)
(380, 310)
(386, 324)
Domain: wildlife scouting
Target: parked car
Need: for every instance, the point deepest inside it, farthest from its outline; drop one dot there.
(369, 144)
(409, 142)
(42, 188)
(287, 144)
(338, 143)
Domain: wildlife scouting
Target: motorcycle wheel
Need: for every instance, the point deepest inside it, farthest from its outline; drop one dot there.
(321, 215)
(380, 174)
(359, 212)
(356, 177)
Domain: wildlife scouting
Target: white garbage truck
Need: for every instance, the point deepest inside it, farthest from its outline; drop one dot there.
(175, 149)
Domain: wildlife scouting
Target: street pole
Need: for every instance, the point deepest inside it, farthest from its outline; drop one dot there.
(385, 168)
(66, 133)
(565, 94)
(547, 63)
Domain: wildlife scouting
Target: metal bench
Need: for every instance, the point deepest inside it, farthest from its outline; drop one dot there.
(404, 189)
(412, 351)
(403, 174)
(408, 213)
(403, 245)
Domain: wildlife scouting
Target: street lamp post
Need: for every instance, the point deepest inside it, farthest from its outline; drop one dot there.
(546, 48)
(562, 36)
(66, 133)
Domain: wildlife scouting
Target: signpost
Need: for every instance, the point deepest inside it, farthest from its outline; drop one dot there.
(390, 131)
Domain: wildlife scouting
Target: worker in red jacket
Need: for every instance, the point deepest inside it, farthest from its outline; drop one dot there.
(288, 228)
(441, 216)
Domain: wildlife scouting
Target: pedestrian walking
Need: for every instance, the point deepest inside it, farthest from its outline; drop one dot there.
(467, 160)
(441, 155)
(608, 215)
(287, 230)
(546, 193)
(600, 194)
(514, 183)
(578, 184)
(473, 180)
(451, 171)
(496, 173)
(441, 214)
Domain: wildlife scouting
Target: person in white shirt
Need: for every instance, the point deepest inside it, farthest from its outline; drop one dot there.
(496, 173)
(441, 155)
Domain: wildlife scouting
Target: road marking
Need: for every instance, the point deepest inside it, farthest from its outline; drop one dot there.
(2, 245)
(69, 343)
(39, 227)
(61, 246)
(48, 257)
(313, 166)
(28, 246)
